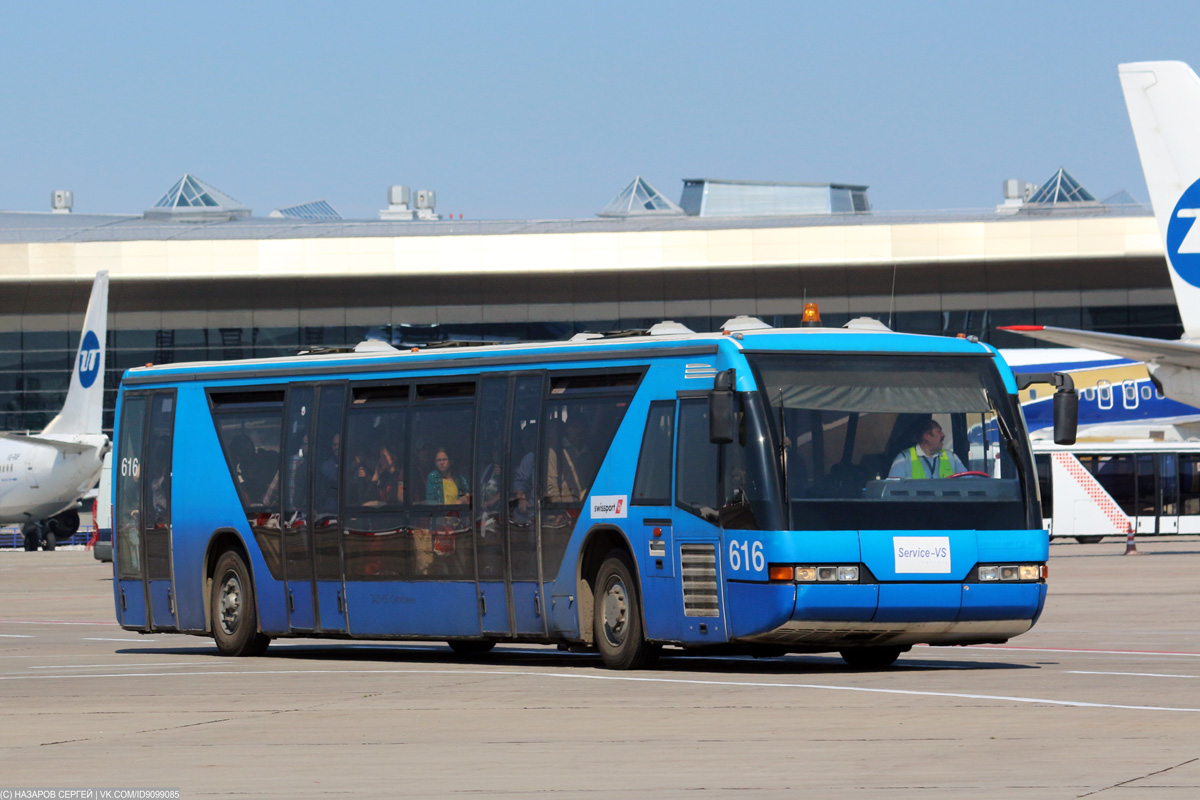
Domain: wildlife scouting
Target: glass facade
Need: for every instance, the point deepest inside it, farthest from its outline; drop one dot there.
(174, 321)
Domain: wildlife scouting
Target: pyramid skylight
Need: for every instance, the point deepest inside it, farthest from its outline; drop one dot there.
(1062, 188)
(640, 199)
(191, 199)
(317, 209)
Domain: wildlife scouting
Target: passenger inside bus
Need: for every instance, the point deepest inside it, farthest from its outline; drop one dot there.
(375, 479)
(443, 487)
(564, 462)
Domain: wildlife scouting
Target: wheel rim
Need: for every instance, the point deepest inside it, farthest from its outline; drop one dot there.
(230, 602)
(615, 612)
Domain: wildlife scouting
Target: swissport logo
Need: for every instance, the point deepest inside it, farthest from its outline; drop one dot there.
(89, 359)
(1183, 236)
(610, 506)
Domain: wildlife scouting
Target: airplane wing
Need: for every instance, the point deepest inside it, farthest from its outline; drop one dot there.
(1178, 353)
(66, 447)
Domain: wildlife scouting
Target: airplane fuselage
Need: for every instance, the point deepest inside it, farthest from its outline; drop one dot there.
(38, 481)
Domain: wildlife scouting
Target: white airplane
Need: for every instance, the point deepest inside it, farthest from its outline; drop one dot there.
(1163, 99)
(43, 475)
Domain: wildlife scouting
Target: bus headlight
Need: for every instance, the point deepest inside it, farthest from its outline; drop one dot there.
(1011, 572)
(832, 573)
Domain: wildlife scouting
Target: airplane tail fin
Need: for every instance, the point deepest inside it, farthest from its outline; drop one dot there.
(84, 407)
(1163, 99)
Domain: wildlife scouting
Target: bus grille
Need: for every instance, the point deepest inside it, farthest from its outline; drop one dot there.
(699, 566)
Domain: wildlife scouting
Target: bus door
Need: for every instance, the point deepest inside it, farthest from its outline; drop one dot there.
(327, 524)
(1148, 501)
(1168, 492)
(296, 474)
(492, 540)
(145, 593)
(697, 533)
(651, 505)
(524, 540)
(311, 529)
(508, 563)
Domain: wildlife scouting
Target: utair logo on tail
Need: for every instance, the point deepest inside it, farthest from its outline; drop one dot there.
(1183, 236)
(89, 359)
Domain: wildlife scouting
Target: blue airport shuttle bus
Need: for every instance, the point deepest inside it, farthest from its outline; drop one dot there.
(733, 491)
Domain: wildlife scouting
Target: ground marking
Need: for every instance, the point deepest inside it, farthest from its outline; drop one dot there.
(632, 679)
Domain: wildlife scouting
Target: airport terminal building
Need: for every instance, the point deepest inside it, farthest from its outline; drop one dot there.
(197, 277)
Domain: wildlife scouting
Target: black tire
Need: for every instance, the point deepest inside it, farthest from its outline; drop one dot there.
(617, 617)
(1088, 539)
(49, 542)
(471, 648)
(33, 536)
(234, 615)
(871, 657)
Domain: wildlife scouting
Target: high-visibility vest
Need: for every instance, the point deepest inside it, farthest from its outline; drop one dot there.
(918, 466)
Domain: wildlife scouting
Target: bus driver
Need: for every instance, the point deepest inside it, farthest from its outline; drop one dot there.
(928, 458)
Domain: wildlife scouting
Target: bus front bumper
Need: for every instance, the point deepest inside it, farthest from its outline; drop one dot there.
(907, 613)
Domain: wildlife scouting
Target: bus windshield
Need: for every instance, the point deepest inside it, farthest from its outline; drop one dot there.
(895, 442)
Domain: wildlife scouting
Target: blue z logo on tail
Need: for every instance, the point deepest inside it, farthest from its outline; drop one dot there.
(89, 359)
(1183, 236)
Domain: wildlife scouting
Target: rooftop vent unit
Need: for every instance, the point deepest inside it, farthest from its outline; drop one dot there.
(866, 324)
(62, 201)
(743, 322)
(405, 204)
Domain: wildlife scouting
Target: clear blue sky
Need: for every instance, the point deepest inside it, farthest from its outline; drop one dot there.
(535, 110)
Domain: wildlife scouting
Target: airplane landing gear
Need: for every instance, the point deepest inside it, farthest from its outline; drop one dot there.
(46, 533)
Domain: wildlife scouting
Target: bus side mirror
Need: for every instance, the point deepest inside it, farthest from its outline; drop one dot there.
(1066, 402)
(1066, 415)
(721, 419)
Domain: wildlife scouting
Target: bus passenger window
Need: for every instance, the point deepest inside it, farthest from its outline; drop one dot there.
(441, 445)
(652, 484)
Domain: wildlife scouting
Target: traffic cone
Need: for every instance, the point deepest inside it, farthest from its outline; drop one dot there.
(1130, 544)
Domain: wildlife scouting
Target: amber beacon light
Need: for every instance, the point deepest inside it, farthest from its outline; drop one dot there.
(811, 317)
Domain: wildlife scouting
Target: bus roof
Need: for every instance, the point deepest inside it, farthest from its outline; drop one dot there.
(584, 347)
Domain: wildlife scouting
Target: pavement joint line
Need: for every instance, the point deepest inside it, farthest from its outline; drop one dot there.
(1084, 650)
(636, 679)
(1130, 674)
(118, 666)
(109, 623)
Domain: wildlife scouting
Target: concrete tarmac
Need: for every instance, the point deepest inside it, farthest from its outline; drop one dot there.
(1101, 699)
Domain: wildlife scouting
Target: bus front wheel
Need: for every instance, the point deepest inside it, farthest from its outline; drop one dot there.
(617, 617)
(871, 657)
(234, 617)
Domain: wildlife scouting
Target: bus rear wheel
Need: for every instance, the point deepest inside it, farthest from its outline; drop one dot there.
(1089, 539)
(234, 618)
(871, 657)
(617, 617)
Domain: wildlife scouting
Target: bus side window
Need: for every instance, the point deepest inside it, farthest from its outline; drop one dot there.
(1042, 461)
(1189, 483)
(250, 429)
(652, 484)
